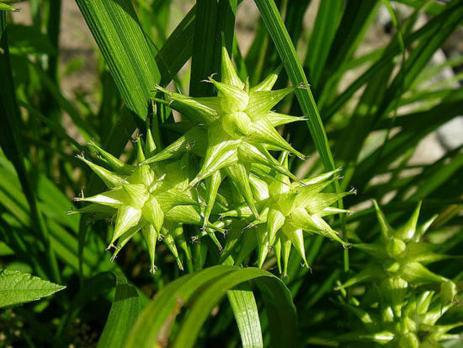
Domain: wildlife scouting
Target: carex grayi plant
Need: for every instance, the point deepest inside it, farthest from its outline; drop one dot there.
(217, 143)
(233, 135)
(403, 302)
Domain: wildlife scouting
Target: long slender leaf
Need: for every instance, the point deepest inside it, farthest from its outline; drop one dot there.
(246, 314)
(203, 59)
(177, 49)
(393, 50)
(201, 292)
(130, 59)
(326, 24)
(126, 306)
(214, 22)
(354, 23)
(287, 52)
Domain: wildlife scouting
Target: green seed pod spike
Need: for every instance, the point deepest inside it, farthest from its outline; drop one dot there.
(268, 83)
(114, 198)
(407, 231)
(116, 164)
(194, 138)
(110, 179)
(263, 245)
(151, 237)
(212, 187)
(228, 72)
(140, 152)
(386, 229)
(240, 178)
(286, 253)
(150, 145)
(127, 218)
(399, 254)
(170, 242)
(295, 235)
(277, 119)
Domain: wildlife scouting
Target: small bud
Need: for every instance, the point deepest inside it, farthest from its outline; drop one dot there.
(395, 247)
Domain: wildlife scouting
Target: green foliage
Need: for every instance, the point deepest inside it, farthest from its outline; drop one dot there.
(125, 309)
(246, 314)
(398, 311)
(200, 292)
(221, 151)
(18, 287)
(125, 48)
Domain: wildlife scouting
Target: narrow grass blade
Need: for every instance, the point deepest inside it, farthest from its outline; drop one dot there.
(246, 314)
(204, 60)
(202, 291)
(10, 133)
(6, 7)
(130, 59)
(124, 311)
(53, 32)
(416, 129)
(421, 55)
(177, 49)
(287, 52)
(355, 21)
(432, 7)
(326, 24)
(437, 175)
(393, 50)
(62, 229)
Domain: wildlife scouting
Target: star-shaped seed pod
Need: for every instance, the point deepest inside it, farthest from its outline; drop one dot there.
(399, 259)
(231, 131)
(288, 210)
(155, 200)
(417, 325)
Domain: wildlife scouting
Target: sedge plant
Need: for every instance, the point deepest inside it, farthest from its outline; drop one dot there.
(210, 200)
(232, 136)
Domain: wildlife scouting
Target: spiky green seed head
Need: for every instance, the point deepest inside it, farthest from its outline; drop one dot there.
(288, 212)
(154, 200)
(417, 323)
(231, 130)
(399, 254)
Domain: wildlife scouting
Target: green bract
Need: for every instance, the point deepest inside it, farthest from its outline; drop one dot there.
(155, 200)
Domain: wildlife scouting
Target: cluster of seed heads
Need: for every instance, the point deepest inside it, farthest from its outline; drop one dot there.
(238, 186)
(404, 300)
